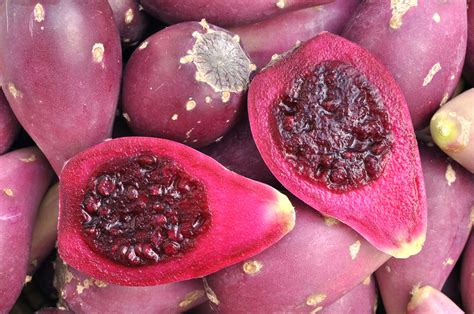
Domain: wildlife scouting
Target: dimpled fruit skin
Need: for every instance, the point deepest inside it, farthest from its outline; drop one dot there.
(326, 258)
(276, 35)
(246, 216)
(66, 77)
(100, 297)
(391, 211)
(24, 178)
(222, 12)
(162, 95)
(426, 71)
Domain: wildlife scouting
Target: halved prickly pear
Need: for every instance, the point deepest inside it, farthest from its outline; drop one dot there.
(333, 127)
(146, 211)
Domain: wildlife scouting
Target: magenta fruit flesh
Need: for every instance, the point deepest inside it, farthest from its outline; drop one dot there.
(148, 207)
(318, 130)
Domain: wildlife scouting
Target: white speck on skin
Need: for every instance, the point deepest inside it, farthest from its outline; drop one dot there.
(448, 261)
(143, 45)
(252, 267)
(436, 18)
(8, 192)
(190, 105)
(450, 175)
(126, 116)
(98, 51)
(208, 100)
(315, 299)
(129, 16)
(388, 269)
(225, 96)
(38, 12)
(429, 77)
(281, 4)
(28, 279)
(190, 298)
(14, 91)
(174, 117)
(29, 159)
(354, 249)
(399, 9)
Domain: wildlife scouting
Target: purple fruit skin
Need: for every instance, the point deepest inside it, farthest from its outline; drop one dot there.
(450, 199)
(468, 71)
(50, 310)
(9, 126)
(24, 178)
(467, 275)
(62, 82)
(82, 294)
(224, 13)
(277, 35)
(360, 300)
(313, 266)
(158, 88)
(431, 301)
(131, 21)
(237, 152)
(420, 61)
(45, 229)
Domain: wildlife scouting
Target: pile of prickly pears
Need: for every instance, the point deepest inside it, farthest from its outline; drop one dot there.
(270, 156)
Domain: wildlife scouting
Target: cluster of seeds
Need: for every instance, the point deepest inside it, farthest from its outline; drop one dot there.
(143, 210)
(333, 127)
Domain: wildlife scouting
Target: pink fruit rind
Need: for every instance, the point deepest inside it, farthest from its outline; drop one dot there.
(82, 294)
(391, 211)
(24, 178)
(271, 216)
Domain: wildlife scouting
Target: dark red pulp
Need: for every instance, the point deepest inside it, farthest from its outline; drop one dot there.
(333, 127)
(142, 210)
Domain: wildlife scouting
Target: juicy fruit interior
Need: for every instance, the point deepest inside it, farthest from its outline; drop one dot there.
(333, 127)
(142, 210)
